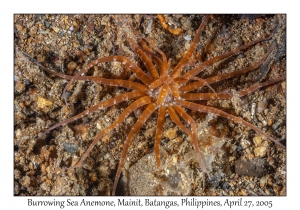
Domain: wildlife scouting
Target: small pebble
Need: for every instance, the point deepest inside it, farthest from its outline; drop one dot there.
(47, 24)
(263, 181)
(270, 122)
(44, 104)
(188, 37)
(260, 151)
(104, 171)
(232, 158)
(257, 140)
(26, 181)
(277, 188)
(245, 143)
(277, 124)
(93, 177)
(19, 27)
(250, 167)
(18, 133)
(70, 147)
(171, 133)
(261, 105)
(71, 66)
(41, 58)
(243, 192)
(253, 109)
(55, 29)
(283, 192)
(149, 26)
(283, 85)
(32, 90)
(228, 170)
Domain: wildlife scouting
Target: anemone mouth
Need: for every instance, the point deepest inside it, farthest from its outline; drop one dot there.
(167, 90)
(153, 93)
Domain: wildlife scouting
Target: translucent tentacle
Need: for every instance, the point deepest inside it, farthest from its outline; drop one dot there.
(210, 80)
(193, 137)
(207, 109)
(211, 61)
(213, 96)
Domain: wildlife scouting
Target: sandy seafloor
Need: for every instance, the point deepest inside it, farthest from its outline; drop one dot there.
(239, 160)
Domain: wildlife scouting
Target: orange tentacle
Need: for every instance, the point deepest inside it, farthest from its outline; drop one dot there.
(174, 88)
(138, 103)
(193, 134)
(132, 66)
(193, 137)
(110, 82)
(177, 70)
(209, 62)
(145, 59)
(163, 94)
(143, 44)
(101, 105)
(176, 31)
(199, 84)
(205, 96)
(158, 134)
(259, 85)
(164, 65)
(177, 121)
(140, 122)
(147, 62)
(213, 96)
(207, 109)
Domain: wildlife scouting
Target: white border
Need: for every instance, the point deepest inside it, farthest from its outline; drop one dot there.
(154, 6)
